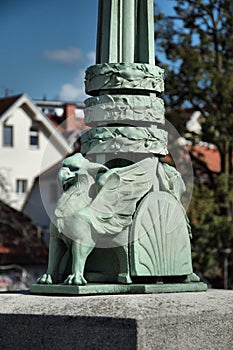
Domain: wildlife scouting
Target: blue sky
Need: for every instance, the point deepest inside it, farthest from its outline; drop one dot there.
(46, 46)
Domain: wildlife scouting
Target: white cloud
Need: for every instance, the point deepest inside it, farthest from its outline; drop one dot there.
(71, 92)
(75, 90)
(70, 55)
(91, 57)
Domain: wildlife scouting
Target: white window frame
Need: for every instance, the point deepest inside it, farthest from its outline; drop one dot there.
(34, 132)
(21, 186)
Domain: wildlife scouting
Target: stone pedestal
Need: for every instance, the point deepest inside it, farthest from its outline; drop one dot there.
(98, 288)
(179, 321)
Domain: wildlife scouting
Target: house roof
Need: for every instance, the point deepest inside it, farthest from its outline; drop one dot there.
(6, 102)
(57, 104)
(20, 239)
(10, 103)
(209, 155)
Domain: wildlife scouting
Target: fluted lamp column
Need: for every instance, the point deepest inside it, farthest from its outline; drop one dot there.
(124, 31)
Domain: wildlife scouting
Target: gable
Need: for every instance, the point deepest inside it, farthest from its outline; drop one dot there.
(9, 105)
(6, 102)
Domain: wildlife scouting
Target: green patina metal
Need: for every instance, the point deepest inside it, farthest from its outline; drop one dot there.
(120, 226)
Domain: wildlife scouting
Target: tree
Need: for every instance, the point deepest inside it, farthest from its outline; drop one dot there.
(4, 188)
(196, 46)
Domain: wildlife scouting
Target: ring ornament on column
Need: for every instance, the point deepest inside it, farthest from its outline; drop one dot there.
(124, 140)
(123, 108)
(120, 76)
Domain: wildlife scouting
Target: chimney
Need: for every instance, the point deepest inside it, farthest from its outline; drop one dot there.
(70, 117)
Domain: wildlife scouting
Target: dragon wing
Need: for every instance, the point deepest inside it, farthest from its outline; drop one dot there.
(120, 191)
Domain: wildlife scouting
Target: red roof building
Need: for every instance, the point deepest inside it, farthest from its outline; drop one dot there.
(209, 155)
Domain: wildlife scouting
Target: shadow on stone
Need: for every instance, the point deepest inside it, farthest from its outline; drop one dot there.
(65, 332)
(22, 291)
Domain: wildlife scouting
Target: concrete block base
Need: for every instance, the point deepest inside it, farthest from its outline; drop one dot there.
(180, 321)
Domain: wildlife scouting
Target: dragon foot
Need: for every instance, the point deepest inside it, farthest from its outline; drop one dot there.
(192, 278)
(76, 279)
(45, 279)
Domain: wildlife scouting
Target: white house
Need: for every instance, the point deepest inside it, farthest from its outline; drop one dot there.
(42, 199)
(29, 145)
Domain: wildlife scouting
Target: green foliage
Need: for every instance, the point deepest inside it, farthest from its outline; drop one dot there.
(212, 232)
(196, 47)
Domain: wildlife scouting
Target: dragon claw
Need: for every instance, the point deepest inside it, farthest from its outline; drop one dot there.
(45, 279)
(75, 279)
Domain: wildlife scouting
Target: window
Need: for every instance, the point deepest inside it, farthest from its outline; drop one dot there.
(8, 135)
(21, 186)
(34, 137)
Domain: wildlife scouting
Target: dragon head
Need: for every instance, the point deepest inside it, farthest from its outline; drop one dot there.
(75, 165)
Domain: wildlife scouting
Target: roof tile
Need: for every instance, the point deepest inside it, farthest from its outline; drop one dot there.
(7, 102)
